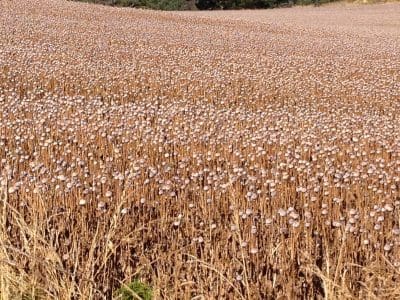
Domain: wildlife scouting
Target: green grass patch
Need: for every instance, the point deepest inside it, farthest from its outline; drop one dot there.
(135, 290)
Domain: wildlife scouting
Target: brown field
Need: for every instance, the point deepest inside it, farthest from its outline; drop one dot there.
(212, 155)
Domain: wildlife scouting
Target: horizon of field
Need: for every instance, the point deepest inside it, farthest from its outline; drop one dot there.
(206, 155)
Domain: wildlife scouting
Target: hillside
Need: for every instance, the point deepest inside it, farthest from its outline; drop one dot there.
(220, 4)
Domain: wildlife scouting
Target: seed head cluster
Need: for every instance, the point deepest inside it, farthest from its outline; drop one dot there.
(225, 155)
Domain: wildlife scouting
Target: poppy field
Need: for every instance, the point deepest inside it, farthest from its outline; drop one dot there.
(211, 155)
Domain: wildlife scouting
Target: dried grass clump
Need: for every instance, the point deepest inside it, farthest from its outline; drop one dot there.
(218, 155)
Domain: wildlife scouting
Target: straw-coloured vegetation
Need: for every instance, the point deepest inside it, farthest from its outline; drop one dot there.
(199, 155)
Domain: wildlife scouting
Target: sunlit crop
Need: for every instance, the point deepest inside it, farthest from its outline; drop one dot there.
(213, 155)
